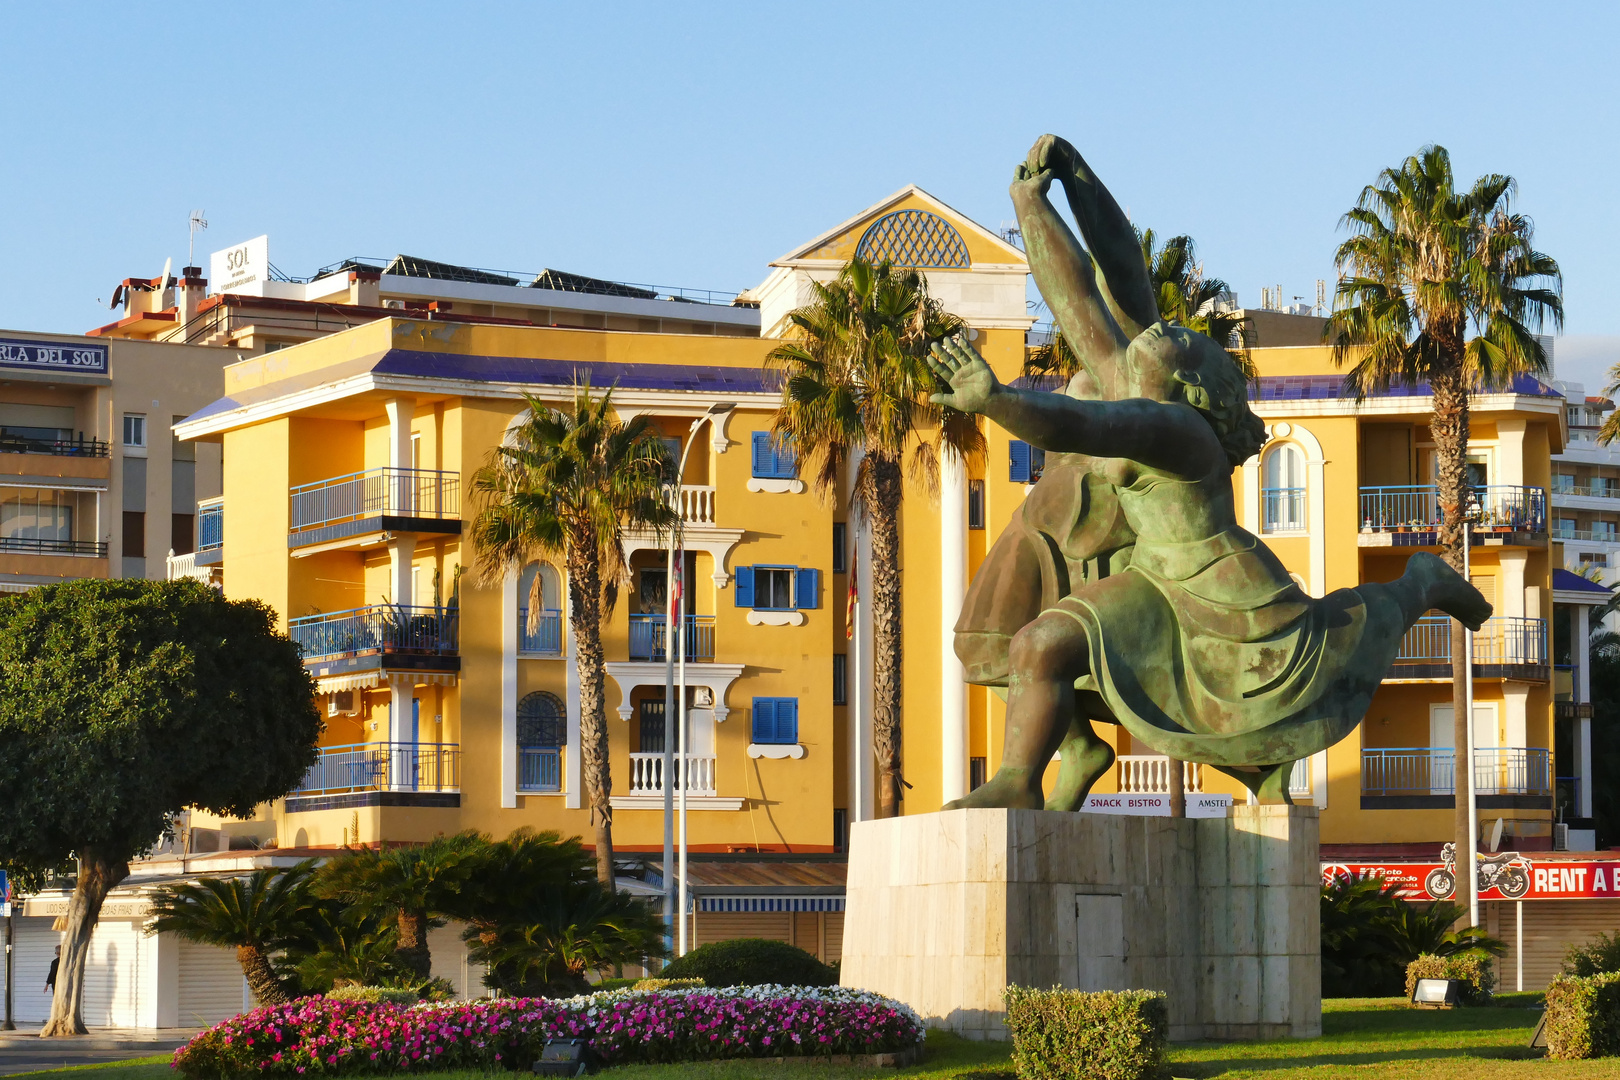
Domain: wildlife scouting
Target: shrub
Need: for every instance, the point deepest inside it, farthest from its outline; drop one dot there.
(373, 995)
(1583, 1016)
(1596, 957)
(1369, 935)
(751, 962)
(1075, 1035)
(620, 1027)
(1475, 969)
(667, 984)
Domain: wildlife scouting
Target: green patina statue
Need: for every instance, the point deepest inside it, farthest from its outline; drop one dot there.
(1124, 589)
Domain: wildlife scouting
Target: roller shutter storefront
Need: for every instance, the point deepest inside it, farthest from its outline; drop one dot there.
(113, 974)
(36, 944)
(1549, 926)
(210, 984)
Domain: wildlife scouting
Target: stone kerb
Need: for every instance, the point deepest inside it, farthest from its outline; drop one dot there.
(945, 909)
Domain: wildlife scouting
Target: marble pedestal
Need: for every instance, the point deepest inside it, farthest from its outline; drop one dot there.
(943, 910)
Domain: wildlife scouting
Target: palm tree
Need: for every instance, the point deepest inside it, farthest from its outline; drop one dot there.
(552, 938)
(1183, 295)
(1447, 288)
(856, 382)
(413, 883)
(566, 484)
(255, 915)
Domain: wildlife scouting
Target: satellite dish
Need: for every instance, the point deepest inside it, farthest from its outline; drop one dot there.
(163, 283)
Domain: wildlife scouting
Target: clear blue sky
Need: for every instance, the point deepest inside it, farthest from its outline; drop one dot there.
(690, 144)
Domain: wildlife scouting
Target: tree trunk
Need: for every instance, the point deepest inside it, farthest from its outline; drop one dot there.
(887, 645)
(98, 875)
(412, 949)
(1449, 427)
(585, 622)
(261, 977)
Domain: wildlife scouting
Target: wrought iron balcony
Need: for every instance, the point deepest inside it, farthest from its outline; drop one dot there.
(647, 775)
(384, 628)
(539, 768)
(648, 633)
(546, 638)
(1416, 509)
(1431, 772)
(423, 500)
(1506, 646)
(384, 766)
(11, 443)
(41, 545)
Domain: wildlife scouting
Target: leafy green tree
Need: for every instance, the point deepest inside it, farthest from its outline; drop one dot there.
(567, 484)
(554, 937)
(255, 915)
(512, 871)
(413, 883)
(1442, 287)
(857, 383)
(122, 703)
(1369, 935)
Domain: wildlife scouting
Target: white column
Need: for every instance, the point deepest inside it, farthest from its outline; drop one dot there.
(401, 555)
(953, 702)
(509, 644)
(1515, 698)
(1251, 494)
(1316, 521)
(1583, 726)
(1509, 451)
(573, 782)
(400, 411)
(1511, 595)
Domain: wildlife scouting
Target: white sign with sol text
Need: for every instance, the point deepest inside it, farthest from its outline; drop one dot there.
(1198, 806)
(241, 269)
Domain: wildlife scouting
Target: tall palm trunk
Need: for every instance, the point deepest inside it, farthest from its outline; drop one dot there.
(97, 877)
(261, 977)
(412, 949)
(1449, 427)
(884, 511)
(585, 622)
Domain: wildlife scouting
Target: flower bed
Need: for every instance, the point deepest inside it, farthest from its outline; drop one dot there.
(323, 1035)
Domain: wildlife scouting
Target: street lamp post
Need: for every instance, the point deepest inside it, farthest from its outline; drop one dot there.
(674, 623)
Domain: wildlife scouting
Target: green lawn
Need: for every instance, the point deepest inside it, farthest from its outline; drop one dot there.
(1370, 1039)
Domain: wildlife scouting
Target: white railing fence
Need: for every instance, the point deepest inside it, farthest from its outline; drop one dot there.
(647, 775)
(1149, 774)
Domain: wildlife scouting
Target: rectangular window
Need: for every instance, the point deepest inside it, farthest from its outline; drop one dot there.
(976, 771)
(134, 534)
(840, 679)
(1565, 528)
(181, 533)
(1563, 484)
(134, 429)
(777, 588)
(1027, 462)
(651, 725)
(840, 830)
(1603, 530)
(776, 720)
(975, 504)
(772, 459)
(840, 547)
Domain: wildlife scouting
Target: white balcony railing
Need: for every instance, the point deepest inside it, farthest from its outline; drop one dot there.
(694, 502)
(185, 566)
(1149, 774)
(647, 775)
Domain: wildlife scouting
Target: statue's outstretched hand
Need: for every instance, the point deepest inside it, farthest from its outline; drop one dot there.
(972, 382)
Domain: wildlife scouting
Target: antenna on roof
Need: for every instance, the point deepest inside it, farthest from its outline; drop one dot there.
(197, 222)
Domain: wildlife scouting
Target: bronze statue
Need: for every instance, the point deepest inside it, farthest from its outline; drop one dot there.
(1128, 592)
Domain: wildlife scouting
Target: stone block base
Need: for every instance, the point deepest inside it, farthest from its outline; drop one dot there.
(944, 910)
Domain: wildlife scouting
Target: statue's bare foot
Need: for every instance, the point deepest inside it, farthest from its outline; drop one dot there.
(1449, 591)
(1009, 788)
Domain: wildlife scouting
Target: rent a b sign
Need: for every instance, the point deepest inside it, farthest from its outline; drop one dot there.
(79, 357)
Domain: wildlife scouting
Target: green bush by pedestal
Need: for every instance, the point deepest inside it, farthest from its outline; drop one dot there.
(751, 962)
(1583, 1016)
(1473, 968)
(1077, 1035)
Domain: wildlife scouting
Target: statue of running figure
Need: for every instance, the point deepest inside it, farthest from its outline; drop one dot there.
(1201, 645)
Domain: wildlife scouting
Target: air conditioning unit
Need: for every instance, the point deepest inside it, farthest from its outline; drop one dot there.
(342, 703)
(702, 697)
(1560, 836)
(394, 304)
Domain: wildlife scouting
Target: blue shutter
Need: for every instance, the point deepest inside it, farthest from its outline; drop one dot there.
(787, 720)
(1037, 463)
(764, 719)
(806, 587)
(764, 458)
(744, 595)
(787, 462)
(1018, 453)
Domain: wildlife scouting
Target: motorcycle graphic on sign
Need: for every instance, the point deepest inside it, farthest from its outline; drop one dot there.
(1508, 872)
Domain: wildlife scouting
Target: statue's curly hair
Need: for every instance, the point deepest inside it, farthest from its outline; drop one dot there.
(1217, 388)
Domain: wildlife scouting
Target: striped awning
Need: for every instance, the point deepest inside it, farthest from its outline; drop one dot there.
(366, 680)
(770, 903)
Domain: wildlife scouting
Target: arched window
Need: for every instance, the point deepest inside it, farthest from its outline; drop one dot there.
(542, 732)
(1282, 489)
(542, 634)
(542, 722)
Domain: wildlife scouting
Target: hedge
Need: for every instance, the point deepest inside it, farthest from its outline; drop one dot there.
(1475, 969)
(348, 1038)
(751, 962)
(1078, 1035)
(1583, 1016)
